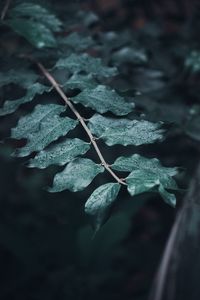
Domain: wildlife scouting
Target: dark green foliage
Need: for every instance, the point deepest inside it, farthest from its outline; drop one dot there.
(47, 123)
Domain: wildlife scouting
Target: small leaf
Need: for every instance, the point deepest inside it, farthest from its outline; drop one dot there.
(77, 42)
(147, 175)
(130, 55)
(60, 154)
(83, 62)
(37, 13)
(11, 106)
(23, 77)
(79, 81)
(88, 18)
(125, 132)
(99, 204)
(136, 161)
(36, 33)
(140, 181)
(50, 128)
(167, 197)
(103, 99)
(77, 175)
(31, 122)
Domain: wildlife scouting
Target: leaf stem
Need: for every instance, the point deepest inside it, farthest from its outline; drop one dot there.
(81, 120)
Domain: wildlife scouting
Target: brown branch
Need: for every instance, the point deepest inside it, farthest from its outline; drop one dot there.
(81, 120)
(5, 9)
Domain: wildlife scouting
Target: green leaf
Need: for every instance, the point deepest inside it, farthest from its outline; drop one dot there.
(99, 203)
(79, 81)
(50, 127)
(130, 55)
(77, 42)
(22, 77)
(77, 175)
(11, 106)
(147, 175)
(88, 18)
(84, 62)
(35, 23)
(167, 197)
(37, 13)
(36, 33)
(125, 132)
(136, 161)
(103, 99)
(60, 154)
(140, 181)
(31, 122)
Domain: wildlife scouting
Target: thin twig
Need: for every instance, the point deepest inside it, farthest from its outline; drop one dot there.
(5, 9)
(81, 120)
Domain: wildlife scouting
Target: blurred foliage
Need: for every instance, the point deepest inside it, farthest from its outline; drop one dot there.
(47, 248)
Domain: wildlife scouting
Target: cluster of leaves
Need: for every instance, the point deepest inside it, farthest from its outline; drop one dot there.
(88, 81)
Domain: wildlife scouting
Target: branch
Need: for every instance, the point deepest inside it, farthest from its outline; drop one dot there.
(81, 120)
(5, 9)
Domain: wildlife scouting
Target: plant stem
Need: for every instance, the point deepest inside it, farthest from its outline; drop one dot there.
(81, 120)
(5, 9)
